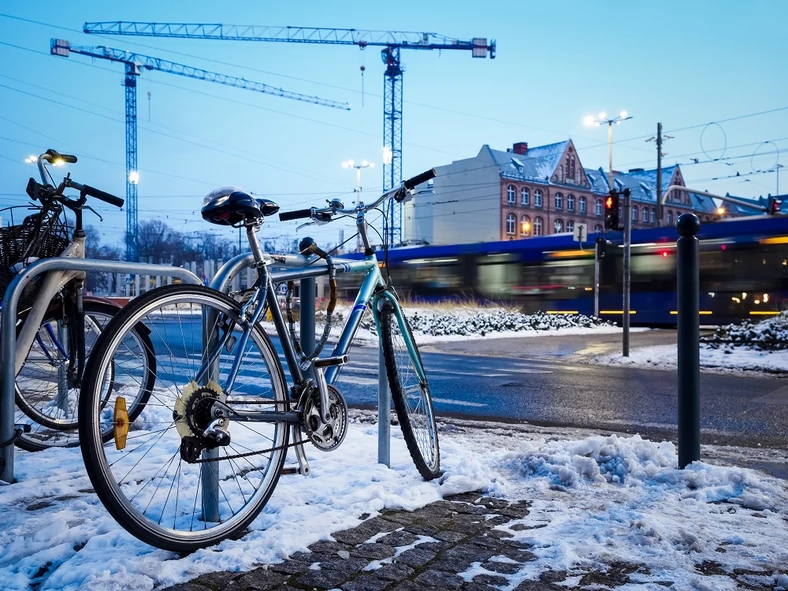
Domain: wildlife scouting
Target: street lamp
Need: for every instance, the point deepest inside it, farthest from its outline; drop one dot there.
(358, 166)
(603, 118)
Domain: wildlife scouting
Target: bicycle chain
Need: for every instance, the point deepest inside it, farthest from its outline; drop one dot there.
(249, 453)
(246, 454)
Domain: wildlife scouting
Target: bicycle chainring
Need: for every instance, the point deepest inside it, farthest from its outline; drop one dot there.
(325, 435)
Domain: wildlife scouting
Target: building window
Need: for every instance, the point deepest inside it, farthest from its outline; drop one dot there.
(511, 222)
(653, 215)
(525, 226)
(645, 215)
(524, 196)
(558, 225)
(537, 199)
(581, 204)
(559, 201)
(634, 213)
(570, 225)
(598, 208)
(570, 167)
(669, 217)
(598, 229)
(537, 223)
(510, 193)
(570, 203)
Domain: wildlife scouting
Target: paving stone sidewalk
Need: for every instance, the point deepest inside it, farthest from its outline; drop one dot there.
(463, 542)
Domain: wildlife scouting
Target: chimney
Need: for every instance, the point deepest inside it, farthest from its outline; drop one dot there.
(520, 148)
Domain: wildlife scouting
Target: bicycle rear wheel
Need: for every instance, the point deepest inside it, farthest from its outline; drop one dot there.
(154, 486)
(46, 398)
(410, 392)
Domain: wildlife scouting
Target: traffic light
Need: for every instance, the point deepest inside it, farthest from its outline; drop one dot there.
(611, 211)
(774, 206)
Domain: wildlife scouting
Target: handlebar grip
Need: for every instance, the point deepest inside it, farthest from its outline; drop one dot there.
(419, 178)
(298, 214)
(102, 195)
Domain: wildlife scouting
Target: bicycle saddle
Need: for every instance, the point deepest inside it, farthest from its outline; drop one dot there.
(229, 206)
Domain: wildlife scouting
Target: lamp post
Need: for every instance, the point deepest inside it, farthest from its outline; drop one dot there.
(603, 118)
(358, 166)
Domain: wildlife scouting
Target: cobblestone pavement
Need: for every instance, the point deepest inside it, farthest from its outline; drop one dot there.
(463, 542)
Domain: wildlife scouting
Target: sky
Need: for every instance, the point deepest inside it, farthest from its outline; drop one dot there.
(711, 72)
(594, 500)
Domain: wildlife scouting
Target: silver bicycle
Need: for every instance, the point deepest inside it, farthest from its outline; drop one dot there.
(201, 460)
(57, 324)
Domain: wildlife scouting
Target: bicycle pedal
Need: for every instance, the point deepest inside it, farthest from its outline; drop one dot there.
(22, 427)
(330, 361)
(291, 470)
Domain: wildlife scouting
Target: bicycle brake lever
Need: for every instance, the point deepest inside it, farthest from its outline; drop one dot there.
(98, 215)
(299, 227)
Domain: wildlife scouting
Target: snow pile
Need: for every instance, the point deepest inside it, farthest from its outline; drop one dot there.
(594, 502)
(484, 321)
(768, 335)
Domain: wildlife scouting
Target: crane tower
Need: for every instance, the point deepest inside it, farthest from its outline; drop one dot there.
(390, 41)
(134, 64)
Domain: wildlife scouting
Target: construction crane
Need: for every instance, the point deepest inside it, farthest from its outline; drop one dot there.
(391, 42)
(135, 64)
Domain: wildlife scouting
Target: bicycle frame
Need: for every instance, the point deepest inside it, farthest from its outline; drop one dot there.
(372, 291)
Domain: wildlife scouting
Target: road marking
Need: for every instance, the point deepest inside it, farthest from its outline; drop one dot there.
(457, 402)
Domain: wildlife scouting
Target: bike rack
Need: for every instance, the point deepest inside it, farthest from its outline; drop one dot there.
(8, 337)
(237, 264)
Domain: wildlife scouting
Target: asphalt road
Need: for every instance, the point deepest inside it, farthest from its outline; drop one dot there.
(506, 384)
(540, 381)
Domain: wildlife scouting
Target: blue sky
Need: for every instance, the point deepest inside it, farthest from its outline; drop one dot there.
(712, 72)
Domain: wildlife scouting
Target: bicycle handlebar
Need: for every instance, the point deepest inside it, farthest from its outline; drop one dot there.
(54, 157)
(398, 194)
(98, 194)
(298, 214)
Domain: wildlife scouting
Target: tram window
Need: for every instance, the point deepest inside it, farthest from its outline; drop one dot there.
(499, 275)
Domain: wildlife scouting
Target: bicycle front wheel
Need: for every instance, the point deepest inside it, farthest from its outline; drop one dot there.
(410, 392)
(155, 484)
(46, 392)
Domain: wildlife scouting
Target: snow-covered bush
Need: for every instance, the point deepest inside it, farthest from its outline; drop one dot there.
(768, 335)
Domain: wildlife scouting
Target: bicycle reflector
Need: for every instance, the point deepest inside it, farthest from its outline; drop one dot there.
(120, 424)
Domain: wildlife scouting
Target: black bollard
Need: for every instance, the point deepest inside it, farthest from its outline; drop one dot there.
(688, 295)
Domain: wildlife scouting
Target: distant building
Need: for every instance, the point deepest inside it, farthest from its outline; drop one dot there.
(523, 192)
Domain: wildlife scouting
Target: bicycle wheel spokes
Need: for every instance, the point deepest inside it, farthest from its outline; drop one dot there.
(410, 392)
(166, 497)
(46, 395)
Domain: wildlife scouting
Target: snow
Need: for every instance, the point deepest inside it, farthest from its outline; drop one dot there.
(595, 499)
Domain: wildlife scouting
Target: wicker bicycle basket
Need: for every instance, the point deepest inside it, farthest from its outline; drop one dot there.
(40, 235)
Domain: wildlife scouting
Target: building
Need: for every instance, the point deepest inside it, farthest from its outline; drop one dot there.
(523, 192)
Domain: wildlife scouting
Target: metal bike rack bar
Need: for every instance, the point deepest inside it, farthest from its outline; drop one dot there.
(8, 337)
(237, 264)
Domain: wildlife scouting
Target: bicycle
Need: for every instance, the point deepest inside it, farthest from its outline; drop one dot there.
(58, 325)
(204, 456)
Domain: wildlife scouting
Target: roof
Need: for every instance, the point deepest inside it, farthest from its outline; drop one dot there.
(643, 187)
(538, 164)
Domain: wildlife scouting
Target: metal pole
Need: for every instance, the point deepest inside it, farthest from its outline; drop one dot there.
(384, 414)
(597, 250)
(610, 154)
(627, 243)
(307, 315)
(659, 174)
(688, 288)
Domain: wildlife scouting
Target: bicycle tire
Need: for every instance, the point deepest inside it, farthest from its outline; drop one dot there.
(411, 394)
(43, 401)
(148, 487)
